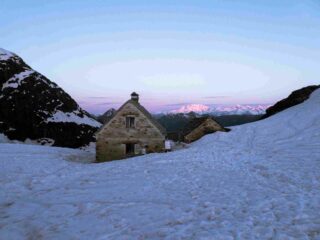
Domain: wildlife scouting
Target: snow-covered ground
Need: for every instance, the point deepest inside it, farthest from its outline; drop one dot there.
(4, 139)
(259, 181)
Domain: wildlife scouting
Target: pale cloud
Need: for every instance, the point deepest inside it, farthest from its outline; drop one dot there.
(99, 97)
(173, 80)
(107, 103)
(177, 104)
(216, 97)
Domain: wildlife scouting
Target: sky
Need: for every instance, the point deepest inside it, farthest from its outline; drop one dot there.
(172, 53)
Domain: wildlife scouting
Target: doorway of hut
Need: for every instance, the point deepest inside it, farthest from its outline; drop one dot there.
(130, 149)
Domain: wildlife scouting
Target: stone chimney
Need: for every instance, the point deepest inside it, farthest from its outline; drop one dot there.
(135, 96)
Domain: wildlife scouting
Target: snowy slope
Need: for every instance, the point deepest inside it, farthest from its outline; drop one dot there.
(4, 138)
(259, 181)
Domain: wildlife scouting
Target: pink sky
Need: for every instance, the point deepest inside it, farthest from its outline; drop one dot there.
(98, 105)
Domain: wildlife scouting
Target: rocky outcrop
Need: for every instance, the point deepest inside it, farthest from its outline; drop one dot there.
(33, 107)
(106, 116)
(293, 99)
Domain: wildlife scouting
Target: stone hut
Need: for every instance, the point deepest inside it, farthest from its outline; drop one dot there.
(198, 127)
(131, 131)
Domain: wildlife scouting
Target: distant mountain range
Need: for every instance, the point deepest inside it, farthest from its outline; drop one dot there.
(248, 109)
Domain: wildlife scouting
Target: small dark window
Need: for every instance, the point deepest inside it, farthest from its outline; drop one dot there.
(129, 149)
(129, 122)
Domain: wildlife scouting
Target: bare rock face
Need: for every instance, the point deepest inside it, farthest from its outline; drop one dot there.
(293, 99)
(33, 107)
(106, 116)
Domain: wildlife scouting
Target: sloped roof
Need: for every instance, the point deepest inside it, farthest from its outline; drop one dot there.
(144, 112)
(149, 116)
(196, 122)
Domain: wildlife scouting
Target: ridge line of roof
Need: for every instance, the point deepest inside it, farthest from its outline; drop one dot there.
(143, 110)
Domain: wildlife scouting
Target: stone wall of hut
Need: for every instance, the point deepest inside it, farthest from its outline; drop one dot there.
(208, 126)
(112, 139)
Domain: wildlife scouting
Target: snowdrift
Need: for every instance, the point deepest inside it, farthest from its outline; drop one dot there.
(260, 181)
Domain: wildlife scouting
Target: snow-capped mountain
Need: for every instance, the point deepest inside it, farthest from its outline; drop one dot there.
(32, 106)
(238, 109)
(197, 108)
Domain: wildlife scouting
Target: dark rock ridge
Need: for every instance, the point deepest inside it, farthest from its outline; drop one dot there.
(33, 107)
(293, 99)
(106, 116)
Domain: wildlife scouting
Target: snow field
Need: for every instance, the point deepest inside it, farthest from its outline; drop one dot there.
(259, 181)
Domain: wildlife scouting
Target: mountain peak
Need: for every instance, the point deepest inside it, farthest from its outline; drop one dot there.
(5, 54)
(198, 108)
(32, 106)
